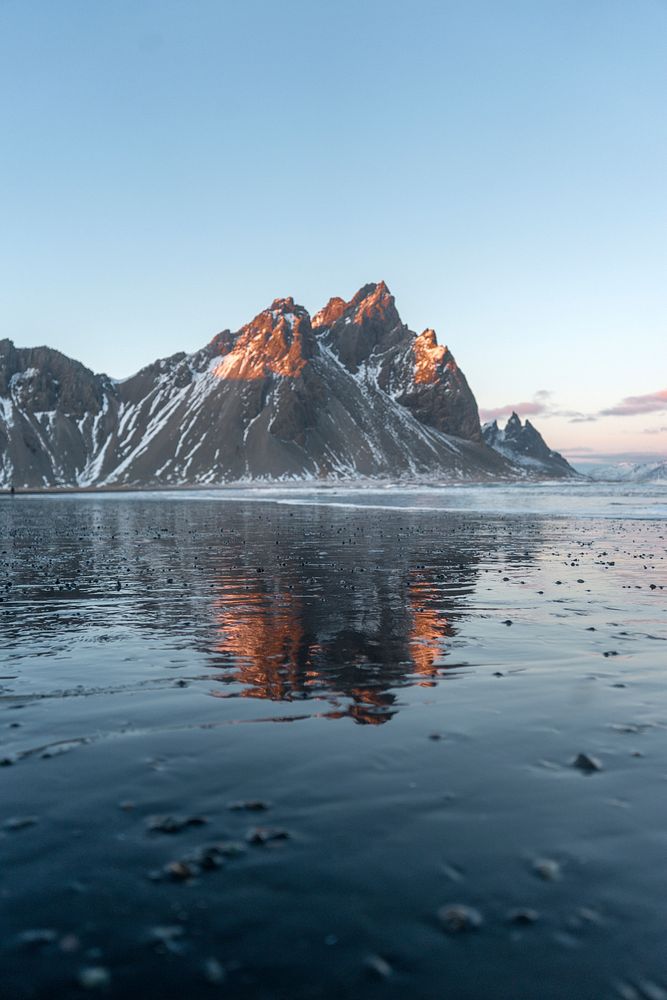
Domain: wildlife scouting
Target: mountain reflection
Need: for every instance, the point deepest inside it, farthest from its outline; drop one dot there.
(330, 606)
(348, 651)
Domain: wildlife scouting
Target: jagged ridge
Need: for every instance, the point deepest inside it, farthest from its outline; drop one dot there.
(524, 445)
(352, 393)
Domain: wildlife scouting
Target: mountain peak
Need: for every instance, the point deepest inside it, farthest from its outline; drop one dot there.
(278, 341)
(330, 313)
(375, 302)
(369, 321)
(523, 444)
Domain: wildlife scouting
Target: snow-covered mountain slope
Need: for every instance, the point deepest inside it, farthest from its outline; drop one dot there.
(627, 472)
(354, 393)
(523, 445)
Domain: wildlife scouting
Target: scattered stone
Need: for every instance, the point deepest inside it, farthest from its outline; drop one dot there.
(230, 848)
(547, 869)
(252, 805)
(167, 938)
(166, 932)
(19, 822)
(585, 762)
(523, 917)
(94, 977)
(457, 918)
(265, 835)
(179, 871)
(36, 937)
(208, 858)
(173, 824)
(214, 972)
(378, 966)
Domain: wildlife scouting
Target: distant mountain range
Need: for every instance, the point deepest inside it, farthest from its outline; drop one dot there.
(523, 445)
(351, 392)
(628, 472)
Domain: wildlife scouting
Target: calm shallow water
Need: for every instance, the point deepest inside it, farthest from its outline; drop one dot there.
(343, 656)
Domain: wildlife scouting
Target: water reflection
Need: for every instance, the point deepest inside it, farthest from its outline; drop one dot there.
(351, 648)
(339, 607)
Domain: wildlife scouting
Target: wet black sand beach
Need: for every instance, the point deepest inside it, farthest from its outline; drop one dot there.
(292, 751)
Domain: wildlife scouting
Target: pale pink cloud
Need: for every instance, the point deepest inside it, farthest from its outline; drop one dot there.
(653, 402)
(531, 409)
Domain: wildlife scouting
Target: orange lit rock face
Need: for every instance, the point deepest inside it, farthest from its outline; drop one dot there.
(331, 312)
(372, 303)
(378, 306)
(279, 341)
(431, 359)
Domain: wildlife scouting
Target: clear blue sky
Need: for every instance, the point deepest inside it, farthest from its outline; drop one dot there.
(170, 167)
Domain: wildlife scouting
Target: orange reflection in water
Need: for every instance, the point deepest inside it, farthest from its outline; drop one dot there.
(429, 628)
(275, 655)
(264, 633)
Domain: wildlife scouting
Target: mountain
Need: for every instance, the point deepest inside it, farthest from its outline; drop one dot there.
(523, 445)
(627, 472)
(352, 392)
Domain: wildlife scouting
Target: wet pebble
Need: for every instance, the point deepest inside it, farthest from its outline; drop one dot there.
(586, 762)
(523, 916)
(251, 805)
(457, 918)
(167, 938)
(173, 824)
(94, 977)
(547, 869)
(378, 966)
(19, 822)
(265, 835)
(214, 972)
(36, 937)
(179, 871)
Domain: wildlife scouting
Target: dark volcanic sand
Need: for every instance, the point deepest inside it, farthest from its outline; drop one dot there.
(405, 692)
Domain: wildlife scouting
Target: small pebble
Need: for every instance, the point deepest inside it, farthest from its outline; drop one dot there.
(523, 917)
(585, 762)
(378, 966)
(36, 937)
(173, 824)
(457, 917)
(94, 977)
(179, 871)
(547, 869)
(19, 822)
(214, 972)
(265, 834)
